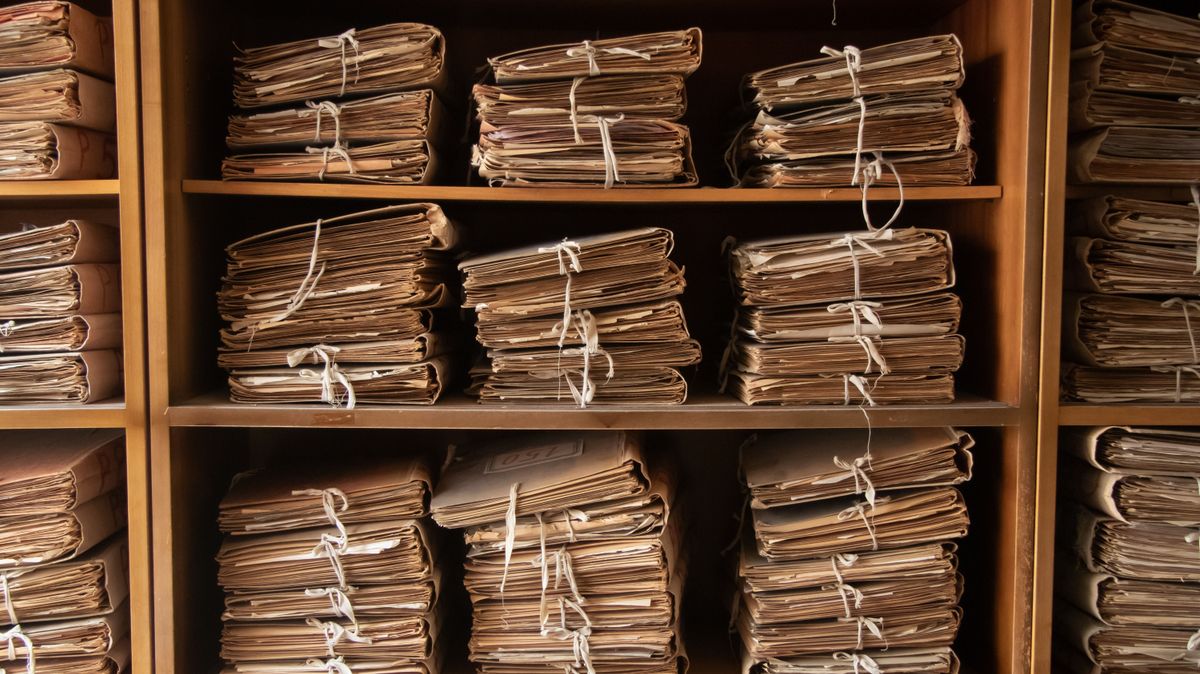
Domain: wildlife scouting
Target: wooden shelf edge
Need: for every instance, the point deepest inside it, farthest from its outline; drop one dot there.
(108, 414)
(1153, 192)
(59, 188)
(1087, 414)
(702, 412)
(700, 195)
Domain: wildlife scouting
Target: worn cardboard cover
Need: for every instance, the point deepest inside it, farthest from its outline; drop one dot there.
(80, 39)
(70, 242)
(45, 473)
(666, 52)
(94, 584)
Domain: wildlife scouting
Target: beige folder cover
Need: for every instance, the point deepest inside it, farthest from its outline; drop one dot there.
(660, 321)
(390, 57)
(94, 584)
(840, 389)
(1136, 26)
(923, 355)
(51, 473)
(1104, 266)
(73, 377)
(916, 169)
(83, 638)
(70, 242)
(926, 561)
(1117, 331)
(1137, 550)
(1136, 498)
(1131, 154)
(920, 64)
(921, 627)
(538, 473)
(51, 33)
(416, 384)
(64, 96)
(933, 314)
(55, 537)
(41, 151)
(1137, 220)
(666, 52)
(292, 497)
(405, 115)
(897, 520)
(1144, 451)
(54, 291)
(652, 96)
(792, 467)
(397, 162)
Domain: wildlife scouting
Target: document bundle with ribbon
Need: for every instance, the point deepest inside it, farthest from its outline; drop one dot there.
(892, 109)
(57, 103)
(592, 319)
(64, 583)
(848, 562)
(574, 558)
(592, 113)
(331, 568)
(1134, 111)
(360, 106)
(60, 320)
(1127, 574)
(341, 310)
(1128, 330)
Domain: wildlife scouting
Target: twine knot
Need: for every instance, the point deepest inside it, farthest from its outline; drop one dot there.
(340, 42)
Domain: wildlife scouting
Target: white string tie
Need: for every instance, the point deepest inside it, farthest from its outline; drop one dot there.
(860, 383)
(604, 124)
(8, 600)
(333, 109)
(340, 42)
(853, 57)
(570, 514)
(589, 334)
(338, 601)
(510, 531)
(1193, 539)
(1193, 642)
(1178, 370)
(574, 109)
(331, 666)
(568, 253)
(13, 635)
(859, 509)
(334, 633)
(581, 649)
(589, 50)
(324, 354)
(850, 240)
(854, 469)
(307, 285)
(333, 547)
(870, 347)
(328, 504)
(1195, 189)
(872, 625)
(1187, 321)
(859, 310)
(872, 173)
(6, 328)
(336, 151)
(867, 664)
(847, 592)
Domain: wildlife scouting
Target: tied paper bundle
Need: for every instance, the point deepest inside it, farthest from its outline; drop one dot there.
(54, 34)
(1141, 550)
(850, 318)
(588, 510)
(1135, 498)
(113, 662)
(1116, 601)
(42, 151)
(1128, 154)
(588, 320)
(886, 115)
(1143, 451)
(25, 246)
(907, 660)
(85, 640)
(339, 310)
(93, 585)
(63, 96)
(1138, 220)
(59, 472)
(827, 578)
(330, 564)
(75, 377)
(387, 138)
(1116, 331)
(1104, 266)
(595, 113)
(1108, 385)
(1098, 647)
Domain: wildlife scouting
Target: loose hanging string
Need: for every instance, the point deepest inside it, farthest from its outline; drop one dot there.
(589, 50)
(873, 172)
(854, 469)
(13, 635)
(510, 531)
(1187, 321)
(862, 660)
(334, 633)
(568, 253)
(860, 383)
(339, 602)
(331, 666)
(604, 126)
(336, 150)
(340, 42)
(8, 600)
(1178, 371)
(307, 285)
(1195, 189)
(335, 112)
(330, 372)
(859, 509)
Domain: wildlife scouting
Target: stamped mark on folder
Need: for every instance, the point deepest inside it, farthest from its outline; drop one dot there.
(533, 456)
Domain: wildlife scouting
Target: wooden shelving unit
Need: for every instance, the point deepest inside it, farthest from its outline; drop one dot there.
(116, 201)
(201, 439)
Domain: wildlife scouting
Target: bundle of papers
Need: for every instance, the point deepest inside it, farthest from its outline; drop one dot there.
(850, 318)
(1142, 550)
(594, 113)
(72, 377)
(339, 309)
(63, 96)
(1106, 67)
(1125, 24)
(1091, 108)
(56, 291)
(1116, 331)
(818, 123)
(1133, 497)
(573, 557)
(55, 34)
(95, 584)
(90, 638)
(59, 536)
(49, 473)
(114, 661)
(1144, 451)
(1155, 384)
(914, 660)
(827, 578)
(1138, 220)
(1126, 648)
(1101, 265)
(406, 115)
(398, 162)
(42, 150)
(1118, 601)
(1130, 154)
(330, 562)
(70, 242)
(583, 320)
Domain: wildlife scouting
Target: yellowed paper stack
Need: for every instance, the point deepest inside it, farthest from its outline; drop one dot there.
(340, 310)
(849, 561)
(331, 564)
(60, 321)
(591, 113)
(848, 318)
(329, 131)
(886, 115)
(1132, 107)
(64, 580)
(1128, 331)
(585, 320)
(573, 553)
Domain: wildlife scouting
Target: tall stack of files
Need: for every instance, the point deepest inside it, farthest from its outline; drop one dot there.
(1128, 577)
(60, 320)
(884, 115)
(359, 106)
(58, 109)
(1134, 78)
(341, 311)
(592, 319)
(64, 577)
(1128, 329)
(574, 558)
(591, 113)
(853, 318)
(331, 567)
(850, 564)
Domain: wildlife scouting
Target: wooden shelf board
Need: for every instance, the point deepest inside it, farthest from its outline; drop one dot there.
(1087, 414)
(24, 189)
(594, 196)
(702, 411)
(106, 414)
(1133, 190)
